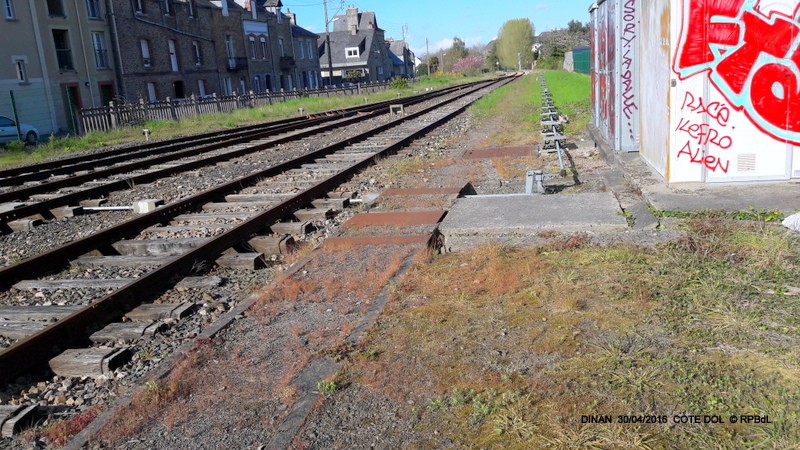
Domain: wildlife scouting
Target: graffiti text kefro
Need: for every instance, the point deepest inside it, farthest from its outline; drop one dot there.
(752, 57)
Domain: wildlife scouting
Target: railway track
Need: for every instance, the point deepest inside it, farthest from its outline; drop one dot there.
(255, 214)
(48, 192)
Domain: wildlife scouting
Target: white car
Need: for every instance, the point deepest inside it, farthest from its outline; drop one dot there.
(8, 131)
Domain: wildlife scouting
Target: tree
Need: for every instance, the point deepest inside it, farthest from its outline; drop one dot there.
(515, 39)
(459, 49)
(434, 62)
(492, 60)
(471, 65)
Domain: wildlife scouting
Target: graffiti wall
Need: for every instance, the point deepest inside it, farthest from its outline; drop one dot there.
(736, 97)
(615, 33)
(655, 74)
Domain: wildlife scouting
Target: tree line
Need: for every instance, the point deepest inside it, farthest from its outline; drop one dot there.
(515, 47)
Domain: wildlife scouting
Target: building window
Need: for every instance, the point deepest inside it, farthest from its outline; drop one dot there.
(92, 9)
(21, 70)
(302, 50)
(280, 48)
(279, 15)
(173, 55)
(310, 47)
(201, 87)
(100, 52)
(231, 50)
(190, 5)
(138, 6)
(198, 57)
(253, 49)
(257, 84)
(166, 7)
(8, 9)
(151, 92)
(55, 8)
(264, 50)
(380, 70)
(352, 52)
(63, 52)
(145, 46)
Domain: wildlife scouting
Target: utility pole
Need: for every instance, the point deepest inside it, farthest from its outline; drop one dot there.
(328, 44)
(428, 53)
(519, 60)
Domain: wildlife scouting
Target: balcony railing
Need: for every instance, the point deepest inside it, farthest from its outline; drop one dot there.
(287, 63)
(64, 60)
(237, 63)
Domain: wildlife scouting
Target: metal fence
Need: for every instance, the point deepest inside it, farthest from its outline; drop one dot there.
(136, 114)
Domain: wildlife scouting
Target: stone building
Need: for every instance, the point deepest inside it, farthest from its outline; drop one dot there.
(56, 59)
(166, 48)
(359, 51)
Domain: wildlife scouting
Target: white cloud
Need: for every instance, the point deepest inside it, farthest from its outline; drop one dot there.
(540, 6)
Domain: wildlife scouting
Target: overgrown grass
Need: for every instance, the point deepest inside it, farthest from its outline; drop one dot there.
(514, 110)
(508, 348)
(17, 154)
(750, 214)
(572, 95)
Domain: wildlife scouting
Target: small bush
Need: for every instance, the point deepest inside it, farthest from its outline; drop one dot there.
(399, 83)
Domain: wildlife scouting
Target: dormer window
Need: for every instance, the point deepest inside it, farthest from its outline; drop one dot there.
(352, 52)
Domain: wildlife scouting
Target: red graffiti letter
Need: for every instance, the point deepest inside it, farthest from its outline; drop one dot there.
(736, 66)
(700, 32)
(779, 109)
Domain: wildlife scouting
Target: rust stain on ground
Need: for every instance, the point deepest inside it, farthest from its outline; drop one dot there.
(347, 243)
(499, 152)
(396, 219)
(422, 191)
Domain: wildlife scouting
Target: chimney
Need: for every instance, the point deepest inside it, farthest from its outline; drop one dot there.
(352, 19)
(225, 8)
(292, 17)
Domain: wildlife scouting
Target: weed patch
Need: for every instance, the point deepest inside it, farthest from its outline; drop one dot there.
(511, 347)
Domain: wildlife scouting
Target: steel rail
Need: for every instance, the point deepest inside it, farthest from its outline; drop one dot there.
(60, 256)
(186, 141)
(38, 348)
(44, 207)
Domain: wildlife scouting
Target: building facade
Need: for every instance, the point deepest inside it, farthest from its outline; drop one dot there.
(358, 49)
(704, 91)
(56, 59)
(402, 59)
(63, 55)
(166, 49)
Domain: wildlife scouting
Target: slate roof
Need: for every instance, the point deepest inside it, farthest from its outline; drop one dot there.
(397, 49)
(364, 19)
(340, 40)
(299, 31)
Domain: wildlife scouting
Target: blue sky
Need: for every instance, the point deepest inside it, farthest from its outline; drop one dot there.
(439, 20)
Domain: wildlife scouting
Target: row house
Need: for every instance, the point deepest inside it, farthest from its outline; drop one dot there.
(402, 59)
(54, 60)
(166, 48)
(65, 55)
(358, 49)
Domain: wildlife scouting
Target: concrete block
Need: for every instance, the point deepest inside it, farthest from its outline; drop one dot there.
(147, 205)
